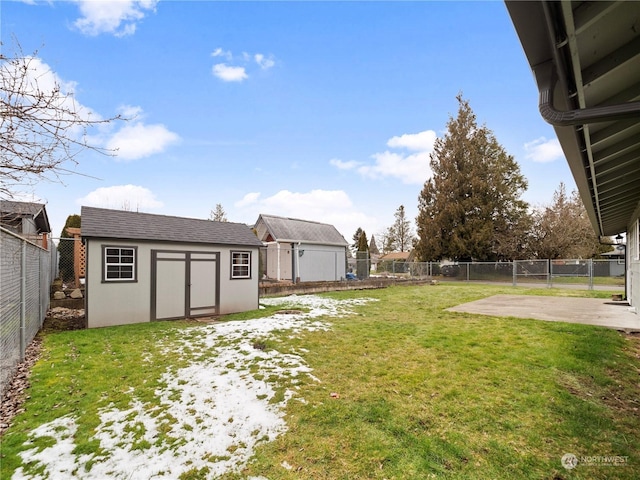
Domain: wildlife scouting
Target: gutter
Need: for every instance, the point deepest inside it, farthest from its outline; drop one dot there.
(547, 78)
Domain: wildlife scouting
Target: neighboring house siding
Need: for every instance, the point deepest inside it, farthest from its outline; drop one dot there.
(633, 259)
(117, 303)
(321, 262)
(301, 250)
(279, 252)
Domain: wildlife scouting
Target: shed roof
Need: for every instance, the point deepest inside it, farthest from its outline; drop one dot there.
(10, 210)
(120, 224)
(296, 230)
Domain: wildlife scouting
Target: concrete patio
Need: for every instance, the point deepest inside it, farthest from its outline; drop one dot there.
(589, 311)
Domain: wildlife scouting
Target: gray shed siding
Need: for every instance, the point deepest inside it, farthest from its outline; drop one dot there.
(113, 303)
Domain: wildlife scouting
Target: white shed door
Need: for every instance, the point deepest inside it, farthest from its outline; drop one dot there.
(203, 286)
(184, 284)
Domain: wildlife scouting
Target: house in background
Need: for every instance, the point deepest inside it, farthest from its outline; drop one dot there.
(395, 262)
(585, 59)
(301, 250)
(29, 220)
(142, 267)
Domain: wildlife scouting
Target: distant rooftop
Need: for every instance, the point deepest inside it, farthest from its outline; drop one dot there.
(297, 230)
(10, 210)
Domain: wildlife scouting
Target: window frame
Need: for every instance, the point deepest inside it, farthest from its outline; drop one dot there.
(246, 264)
(106, 264)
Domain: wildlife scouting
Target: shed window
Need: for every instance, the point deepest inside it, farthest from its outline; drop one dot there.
(119, 264)
(240, 264)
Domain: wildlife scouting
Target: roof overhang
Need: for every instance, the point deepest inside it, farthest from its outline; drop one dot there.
(585, 57)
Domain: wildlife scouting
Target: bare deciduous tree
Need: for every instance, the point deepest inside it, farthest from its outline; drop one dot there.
(218, 215)
(42, 127)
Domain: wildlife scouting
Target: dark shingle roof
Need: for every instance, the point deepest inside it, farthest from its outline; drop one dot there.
(294, 229)
(10, 209)
(104, 223)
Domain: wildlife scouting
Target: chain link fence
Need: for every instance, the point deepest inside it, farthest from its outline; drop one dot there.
(586, 273)
(26, 274)
(71, 262)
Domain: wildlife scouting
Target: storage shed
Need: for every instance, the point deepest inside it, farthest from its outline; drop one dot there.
(301, 250)
(142, 267)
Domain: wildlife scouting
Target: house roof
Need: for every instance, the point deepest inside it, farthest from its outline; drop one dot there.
(395, 256)
(585, 57)
(10, 210)
(123, 225)
(284, 229)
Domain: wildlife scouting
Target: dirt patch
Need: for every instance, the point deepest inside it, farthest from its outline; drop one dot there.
(16, 393)
(621, 396)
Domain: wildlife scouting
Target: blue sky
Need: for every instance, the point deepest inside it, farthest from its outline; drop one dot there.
(325, 111)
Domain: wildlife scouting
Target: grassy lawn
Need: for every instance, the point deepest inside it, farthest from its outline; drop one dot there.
(401, 389)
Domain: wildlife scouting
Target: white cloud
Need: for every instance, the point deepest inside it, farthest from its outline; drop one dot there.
(130, 111)
(137, 140)
(542, 150)
(248, 199)
(118, 17)
(265, 63)
(417, 142)
(228, 73)
(411, 168)
(341, 165)
(131, 197)
(237, 68)
(327, 206)
(219, 52)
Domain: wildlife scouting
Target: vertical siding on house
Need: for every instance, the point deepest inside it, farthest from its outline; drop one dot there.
(321, 263)
(633, 261)
(284, 259)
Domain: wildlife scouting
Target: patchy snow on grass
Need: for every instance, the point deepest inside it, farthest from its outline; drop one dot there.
(210, 415)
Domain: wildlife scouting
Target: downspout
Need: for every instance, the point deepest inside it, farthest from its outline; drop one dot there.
(293, 262)
(298, 263)
(278, 263)
(547, 78)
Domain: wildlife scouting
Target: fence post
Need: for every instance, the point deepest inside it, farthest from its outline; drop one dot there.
(515, 274)
(590, 264)
(549, 274)
(467, 271)
(23, 299)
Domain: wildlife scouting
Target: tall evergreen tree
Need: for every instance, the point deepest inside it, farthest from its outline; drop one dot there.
(362, 257)
(356, 239)
(373, 248)
(471, 207)
(65, 249)
(400, 234)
